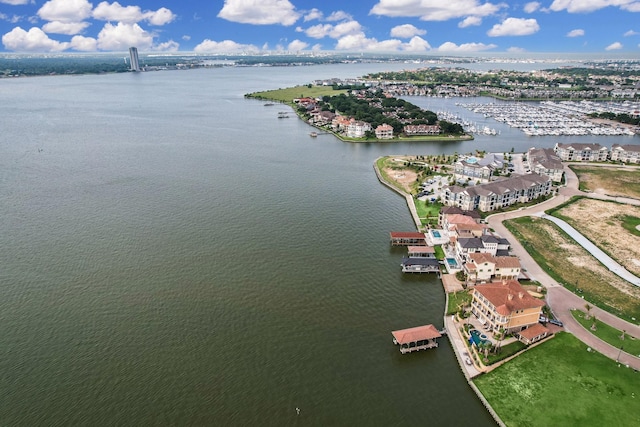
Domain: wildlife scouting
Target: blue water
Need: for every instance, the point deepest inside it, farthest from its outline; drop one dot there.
(452, 262)
(436, 234)
(476, 337)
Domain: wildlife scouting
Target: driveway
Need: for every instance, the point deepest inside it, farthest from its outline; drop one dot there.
(559, 299)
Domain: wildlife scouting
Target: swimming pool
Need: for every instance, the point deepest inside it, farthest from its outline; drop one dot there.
(477, 337)
(452, 262)
(436, 234)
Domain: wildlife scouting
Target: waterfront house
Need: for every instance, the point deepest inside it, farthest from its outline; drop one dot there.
(497, 194)
(484, 267)
(421, 130)
(505, 305)
(357, 128)
(384, 131)
(487, 243)
(463, 226)
(575, 152)
(453, 210)
(627, 153)
(545, 161)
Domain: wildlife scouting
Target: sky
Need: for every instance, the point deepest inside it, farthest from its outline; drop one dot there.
(296, 26)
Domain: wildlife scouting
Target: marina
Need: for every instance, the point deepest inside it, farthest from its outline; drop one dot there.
(565, 118)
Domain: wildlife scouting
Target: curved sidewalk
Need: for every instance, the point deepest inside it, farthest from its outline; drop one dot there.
(598, 253)
(559, 299)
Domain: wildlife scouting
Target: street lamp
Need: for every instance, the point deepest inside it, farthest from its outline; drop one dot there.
(619, 352)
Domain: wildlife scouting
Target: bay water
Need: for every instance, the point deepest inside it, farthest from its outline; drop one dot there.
(172, 253)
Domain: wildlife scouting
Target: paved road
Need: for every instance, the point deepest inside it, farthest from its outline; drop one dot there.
(559, 299)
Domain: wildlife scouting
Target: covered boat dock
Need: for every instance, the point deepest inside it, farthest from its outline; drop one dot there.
(416, 339)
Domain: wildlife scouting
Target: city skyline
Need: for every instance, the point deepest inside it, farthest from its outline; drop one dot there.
(296, 26)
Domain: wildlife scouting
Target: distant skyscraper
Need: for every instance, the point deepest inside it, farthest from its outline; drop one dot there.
(133, 55)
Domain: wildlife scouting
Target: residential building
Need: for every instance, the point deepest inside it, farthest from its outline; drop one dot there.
(384, 131)
(415, 130)
(625, 153)
(533, 334)
(483, 267)
(453, 210)
(463, 226)
(133, 59)
(478, 170)
(497, 194)
(581, 152)
(505, 305)
(357, 128)
(545, 161)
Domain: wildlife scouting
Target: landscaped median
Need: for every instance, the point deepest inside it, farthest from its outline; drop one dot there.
(608, 334)
(574, 268)
(561, 383)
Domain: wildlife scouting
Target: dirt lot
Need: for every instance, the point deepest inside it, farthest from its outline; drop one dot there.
(601, 222)
(611, 180)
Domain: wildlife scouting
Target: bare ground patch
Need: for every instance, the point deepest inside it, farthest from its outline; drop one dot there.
(601, 222)
(612, 180)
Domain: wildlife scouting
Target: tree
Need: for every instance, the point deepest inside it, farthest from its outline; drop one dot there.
(588, 307)
(593, 325)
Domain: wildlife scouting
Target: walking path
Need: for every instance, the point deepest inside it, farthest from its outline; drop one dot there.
(560, 300)
(598, 253)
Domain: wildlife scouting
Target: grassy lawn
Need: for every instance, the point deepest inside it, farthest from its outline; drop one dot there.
(613, 181)
(608, 334)
(506, 351)
(458, 300)
(560, 383)
(573, 267)
(289, 94)
(427, 211)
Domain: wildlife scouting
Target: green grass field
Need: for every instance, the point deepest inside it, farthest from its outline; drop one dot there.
(289, 94)
(560, 383)
(608, 334)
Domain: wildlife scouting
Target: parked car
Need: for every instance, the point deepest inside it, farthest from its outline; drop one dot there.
(556, 322)
(543, 319)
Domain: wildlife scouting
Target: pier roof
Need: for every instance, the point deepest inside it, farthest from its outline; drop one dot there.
(418, 333)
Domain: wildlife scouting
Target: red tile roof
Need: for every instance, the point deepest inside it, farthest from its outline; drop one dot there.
(508, 296)
(533, 331)
(419, 333)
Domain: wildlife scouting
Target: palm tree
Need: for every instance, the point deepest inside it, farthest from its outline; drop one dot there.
(594, 326)
(588, 307)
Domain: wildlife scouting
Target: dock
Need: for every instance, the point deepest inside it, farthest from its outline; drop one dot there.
(416, 339)
(420, 265)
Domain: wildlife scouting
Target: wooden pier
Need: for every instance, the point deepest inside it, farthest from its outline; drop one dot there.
(400, 238)
(416, 339)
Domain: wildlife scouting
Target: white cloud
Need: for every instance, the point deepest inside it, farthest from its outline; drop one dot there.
(531, 7)
(470, 21)
(435, 10)
(465, 47)
(169, 46)
(416, 44)
(65, 10)
(317, 47)
(14, 19)
(68, 28)
(334, 31)
(84, 44)
(339, 15)
(406, 31)
(259, 12)
(583, 6)
(34, 40)
(576, 33)
(515, 49)
(15, 2)
(297, 45)
(225, 46)
(614, 46)
(106, 11)
(514, 27)
(122, 36)
(631, 33)
(312, 15)
(186, 37)
(161, 16)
